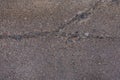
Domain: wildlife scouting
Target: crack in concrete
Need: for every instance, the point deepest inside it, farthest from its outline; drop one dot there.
(69, 36)
(23, 36)
(57, 32)
(79, 16)
(72, 37)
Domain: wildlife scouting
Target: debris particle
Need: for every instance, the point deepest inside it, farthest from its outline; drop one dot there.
(86, 34)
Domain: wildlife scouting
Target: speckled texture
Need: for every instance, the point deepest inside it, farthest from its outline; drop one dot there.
(59, 39)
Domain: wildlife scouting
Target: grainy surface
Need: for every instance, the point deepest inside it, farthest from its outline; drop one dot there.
(59, 39)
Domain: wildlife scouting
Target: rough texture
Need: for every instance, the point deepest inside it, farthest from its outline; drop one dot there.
(59, 39)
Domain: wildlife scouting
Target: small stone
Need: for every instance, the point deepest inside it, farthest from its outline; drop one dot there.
(9, 53)
(86, 34)
(99, 63)
(25, 18)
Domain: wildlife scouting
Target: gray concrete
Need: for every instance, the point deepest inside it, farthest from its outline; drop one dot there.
(59, 40)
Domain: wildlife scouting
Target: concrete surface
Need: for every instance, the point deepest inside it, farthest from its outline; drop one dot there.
(59, 39)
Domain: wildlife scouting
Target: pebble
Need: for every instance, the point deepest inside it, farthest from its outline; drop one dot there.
(86, 34)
